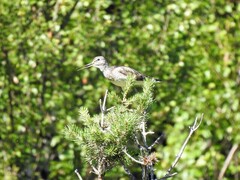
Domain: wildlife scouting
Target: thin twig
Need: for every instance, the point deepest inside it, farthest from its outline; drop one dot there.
(149, 132)
(144, 130)
(132, 158)
(227, 161)
(110, 108)
(155, 142)
(139, 145)
(95, 171)
(67, 17)
(137, 141)
(78, 175)
(168, 176)
(128, 171)
(104, 100)
(193, 128)
(103, 108)
(102, 113)
(144, 134)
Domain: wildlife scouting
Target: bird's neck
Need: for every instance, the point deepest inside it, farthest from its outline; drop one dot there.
(102, 68)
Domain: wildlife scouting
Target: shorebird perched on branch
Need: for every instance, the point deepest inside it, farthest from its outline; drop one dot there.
(117, 74)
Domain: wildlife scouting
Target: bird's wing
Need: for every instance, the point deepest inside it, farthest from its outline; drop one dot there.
(122, 72)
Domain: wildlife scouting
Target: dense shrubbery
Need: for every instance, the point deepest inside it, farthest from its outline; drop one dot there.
(192, 45)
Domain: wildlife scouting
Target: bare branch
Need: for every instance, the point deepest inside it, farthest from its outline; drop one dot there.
(227, 161)
(95, 171)
(67, 17)
(137, 141)
(155, 142)
(168, 176)
(144, 134)
(192, 128)
(132, 158)
(104, 101)
(196, 124)
(100, 104)
(110, 108)
(128, 171)
(149, 132)
(103, 108)
(139, 145)
(78, 175)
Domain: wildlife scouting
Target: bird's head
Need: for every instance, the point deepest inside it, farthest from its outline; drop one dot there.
(99, 62)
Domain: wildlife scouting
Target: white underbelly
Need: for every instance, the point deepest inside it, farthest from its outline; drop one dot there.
(119, 83)
(123, 83)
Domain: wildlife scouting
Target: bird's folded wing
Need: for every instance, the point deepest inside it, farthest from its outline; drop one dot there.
(122, 72)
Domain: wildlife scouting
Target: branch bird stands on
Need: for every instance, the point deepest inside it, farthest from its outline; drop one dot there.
(117, 74)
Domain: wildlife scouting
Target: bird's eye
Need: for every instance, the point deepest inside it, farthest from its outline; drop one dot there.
(98, 59)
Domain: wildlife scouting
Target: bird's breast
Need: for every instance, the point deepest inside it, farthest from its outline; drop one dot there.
(119, 83)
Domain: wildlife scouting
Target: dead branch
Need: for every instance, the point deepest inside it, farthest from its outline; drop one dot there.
(227, 161)
(192, 128)
(78, 175)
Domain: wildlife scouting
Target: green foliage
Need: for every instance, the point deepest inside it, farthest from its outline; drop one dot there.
(127, 87)
(193, 46)
(104, 145)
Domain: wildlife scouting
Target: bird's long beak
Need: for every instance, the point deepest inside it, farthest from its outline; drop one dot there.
(86, 66)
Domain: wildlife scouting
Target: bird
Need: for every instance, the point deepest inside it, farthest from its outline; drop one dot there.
(117, 74)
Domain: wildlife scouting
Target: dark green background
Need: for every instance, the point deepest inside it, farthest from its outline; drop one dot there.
(194, 46)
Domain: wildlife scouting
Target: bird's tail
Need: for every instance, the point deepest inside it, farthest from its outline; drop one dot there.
(157, 80)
